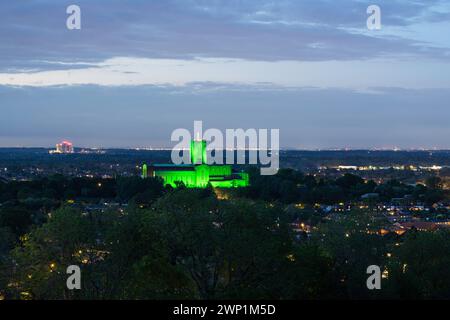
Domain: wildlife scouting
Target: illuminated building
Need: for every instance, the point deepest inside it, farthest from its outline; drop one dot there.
(144, 171)
(198, 174)
(63, 147)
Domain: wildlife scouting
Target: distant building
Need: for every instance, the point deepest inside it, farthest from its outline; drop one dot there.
(420, 225)
(198, 174)
(63, 147)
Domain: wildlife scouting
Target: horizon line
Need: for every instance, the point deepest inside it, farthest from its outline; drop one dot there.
(246, 149)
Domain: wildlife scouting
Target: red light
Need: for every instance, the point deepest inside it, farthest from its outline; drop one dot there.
(66, 142)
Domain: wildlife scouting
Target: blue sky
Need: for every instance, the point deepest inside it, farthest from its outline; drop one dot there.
(139, 69)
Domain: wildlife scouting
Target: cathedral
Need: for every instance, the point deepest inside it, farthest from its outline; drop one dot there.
(198, 174)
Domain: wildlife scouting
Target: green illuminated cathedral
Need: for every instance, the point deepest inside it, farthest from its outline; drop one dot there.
(199, 173)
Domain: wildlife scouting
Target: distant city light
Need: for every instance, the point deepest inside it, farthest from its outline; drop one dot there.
(63, 147)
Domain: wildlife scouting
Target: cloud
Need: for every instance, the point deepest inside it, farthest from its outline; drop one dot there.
(322, 30)
(355, 75)
(310, 68)
(142, 116)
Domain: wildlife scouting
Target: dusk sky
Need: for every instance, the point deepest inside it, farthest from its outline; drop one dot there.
(139, 69)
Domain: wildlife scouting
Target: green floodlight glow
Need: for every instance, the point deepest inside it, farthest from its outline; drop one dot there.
(198, 174)
(144, 171)
(198, 152)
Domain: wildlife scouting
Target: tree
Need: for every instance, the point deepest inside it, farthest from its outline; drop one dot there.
(349, 180)
(149, 188)
(44, 254)
(229, 249)
(419, 269)
(16, 218)
(434, 182)
(353, 245)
